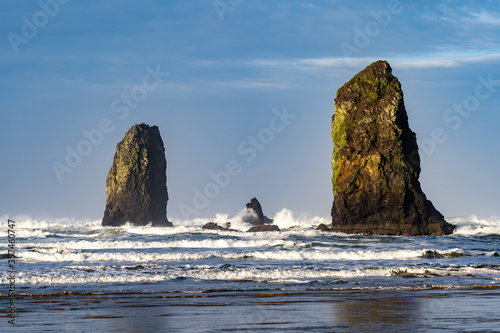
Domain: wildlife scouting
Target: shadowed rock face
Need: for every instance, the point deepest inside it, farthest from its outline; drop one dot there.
(215, 226)
(264, 227)
(323, 227)
(254, 215)
(136, 186)
(375, 161)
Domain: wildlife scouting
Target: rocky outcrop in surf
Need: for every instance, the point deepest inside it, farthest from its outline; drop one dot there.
(136, 186)
(215, 226)
(323, 227)
(375, 161)
(254, 214)
(264, 227)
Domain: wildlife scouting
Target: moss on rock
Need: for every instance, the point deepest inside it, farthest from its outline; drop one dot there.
(136, 186)
(375, 185)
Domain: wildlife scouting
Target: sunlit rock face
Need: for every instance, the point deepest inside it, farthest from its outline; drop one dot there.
(375, 161)
(136, 186)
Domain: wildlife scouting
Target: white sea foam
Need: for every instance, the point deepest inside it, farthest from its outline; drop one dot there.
(68, 251)
(257, 275)
(183, 243)
(55, 254)
(28, 222)
(27, 226)
(474, 226)
(220, 219)
(113, 274)
(285, 219)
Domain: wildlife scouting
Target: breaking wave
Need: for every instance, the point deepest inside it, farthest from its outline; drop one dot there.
(474, 226)
(154, 273)
(88, 256)
(67, 254)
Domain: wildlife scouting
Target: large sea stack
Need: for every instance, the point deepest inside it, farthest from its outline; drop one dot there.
(136, 186)
(375, 161)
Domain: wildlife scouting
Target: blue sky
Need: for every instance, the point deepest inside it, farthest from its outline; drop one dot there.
(214, 75)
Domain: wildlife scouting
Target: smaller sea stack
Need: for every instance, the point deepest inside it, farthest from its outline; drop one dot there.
(254, 214)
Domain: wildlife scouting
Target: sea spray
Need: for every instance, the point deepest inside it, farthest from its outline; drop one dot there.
(82, 256)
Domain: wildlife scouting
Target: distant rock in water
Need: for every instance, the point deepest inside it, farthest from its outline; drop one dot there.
(136, 186)
(375, 161)
(254, 214)
(215, 226)
(323, 227)
(264, 227)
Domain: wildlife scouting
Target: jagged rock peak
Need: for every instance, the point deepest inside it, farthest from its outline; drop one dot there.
(375, 161)
(136, 186)
(254, 214)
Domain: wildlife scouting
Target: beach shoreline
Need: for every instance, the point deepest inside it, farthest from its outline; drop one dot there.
(433, 309)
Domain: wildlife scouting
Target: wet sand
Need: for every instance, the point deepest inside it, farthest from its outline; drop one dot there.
(436, 310)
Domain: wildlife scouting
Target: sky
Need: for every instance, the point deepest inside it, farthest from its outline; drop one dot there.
(242, 91)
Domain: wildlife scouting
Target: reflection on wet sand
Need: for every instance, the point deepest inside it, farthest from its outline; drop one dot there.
(419, 310)
(138, 317)
(374, 312)
(264, 311)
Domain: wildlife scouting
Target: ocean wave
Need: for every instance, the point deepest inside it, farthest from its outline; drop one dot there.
(474, 226)
(54, 254)
(28, 222)
(221, 243)
(455, 253)
(152, 273)
(27, 226)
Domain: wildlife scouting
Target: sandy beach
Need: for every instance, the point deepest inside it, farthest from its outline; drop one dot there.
(436, 310)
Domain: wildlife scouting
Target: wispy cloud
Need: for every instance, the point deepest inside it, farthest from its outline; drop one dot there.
(484, 18)
(445, 61)
(278, 70)
(333, 62)
(256, 84)
(438, 61)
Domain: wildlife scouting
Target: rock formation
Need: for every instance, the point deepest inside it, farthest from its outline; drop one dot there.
(375, 161)
(264, 227)
(215, 226)
(254, 213)
(136, 186)
(323, 227)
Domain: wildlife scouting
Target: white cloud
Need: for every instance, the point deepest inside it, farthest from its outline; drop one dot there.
(438, 61)
(256, 84)
(484, 18)
(445, 61)
(335, 62)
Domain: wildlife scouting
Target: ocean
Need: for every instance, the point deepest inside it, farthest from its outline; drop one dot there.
(73, 255)
(79, 257)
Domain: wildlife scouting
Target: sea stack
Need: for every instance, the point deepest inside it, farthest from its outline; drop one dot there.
(254, 214)
(375, 161)
(136, 186)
